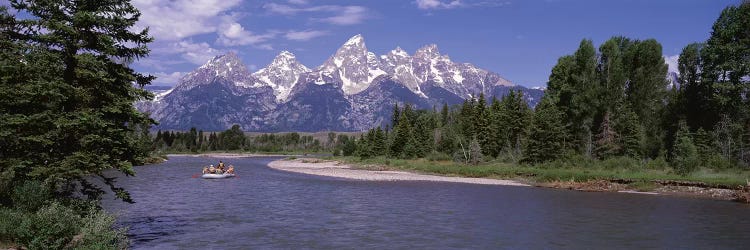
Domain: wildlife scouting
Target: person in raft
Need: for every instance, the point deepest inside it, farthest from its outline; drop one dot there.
(230, 170)
(205, 170)
(221, 166)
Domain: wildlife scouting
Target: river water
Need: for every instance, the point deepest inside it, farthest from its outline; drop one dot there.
(267, 208)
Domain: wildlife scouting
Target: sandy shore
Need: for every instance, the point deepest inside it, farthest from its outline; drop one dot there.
(229, 155)
(336, 169)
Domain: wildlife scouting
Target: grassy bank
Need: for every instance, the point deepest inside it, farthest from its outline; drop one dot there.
(639, 176)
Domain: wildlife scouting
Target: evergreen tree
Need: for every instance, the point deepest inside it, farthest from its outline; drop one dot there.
(350, 147)
(466, 118)
(444, 115)
(628, 130)
(685, 155)
(498, 118)
(379, 145)
(395, 116)
(201, 144)
(546, 134)
(66, 97)
(518, 116)
(481, 125)
(423, 135)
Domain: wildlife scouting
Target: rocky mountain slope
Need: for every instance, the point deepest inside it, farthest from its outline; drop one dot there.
(353, 90)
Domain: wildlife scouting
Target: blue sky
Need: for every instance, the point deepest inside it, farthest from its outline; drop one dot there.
(521, 40)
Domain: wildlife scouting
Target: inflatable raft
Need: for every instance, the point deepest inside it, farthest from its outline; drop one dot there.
(217, 176)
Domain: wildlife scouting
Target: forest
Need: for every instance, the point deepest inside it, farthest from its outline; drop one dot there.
(613, 102)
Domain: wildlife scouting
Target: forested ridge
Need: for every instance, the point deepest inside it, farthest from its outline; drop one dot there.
(610, 102)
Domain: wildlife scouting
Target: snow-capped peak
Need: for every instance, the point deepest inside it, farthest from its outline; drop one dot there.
(399, 52)
(282, 74)
(228, 67)
(355, 40)
(353, 65)
(428, 51)
(229, 60)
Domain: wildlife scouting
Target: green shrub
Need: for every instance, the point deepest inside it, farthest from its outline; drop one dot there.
(716, 161)
(438, 156)
(31, 195)
(620, 162)
(657, 164)
(51, 227)
(9, 221)
(98, 232)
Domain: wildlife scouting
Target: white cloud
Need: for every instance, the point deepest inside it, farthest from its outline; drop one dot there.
(438, 4)
(196, 53)
(304, 35)
(452, 4)
(233, 34)
(672, 62)
(341, 15)
(347, 15)
(174, 20)
(163, 78)
(300, 2)
(264, 46)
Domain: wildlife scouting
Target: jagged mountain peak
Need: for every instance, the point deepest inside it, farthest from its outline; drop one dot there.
(352, 66)
(228, 59)
(228, 67)
(398, 51)
(282, 74)
(285, 53)
(430, 50)
(357, 39)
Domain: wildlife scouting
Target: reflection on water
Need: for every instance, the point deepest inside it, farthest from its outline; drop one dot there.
(265, 208)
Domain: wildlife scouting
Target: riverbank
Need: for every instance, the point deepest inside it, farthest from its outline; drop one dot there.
(591, 180)
(231, 155)
(337, 169)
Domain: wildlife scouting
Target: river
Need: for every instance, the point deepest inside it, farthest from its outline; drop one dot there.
(267, 208)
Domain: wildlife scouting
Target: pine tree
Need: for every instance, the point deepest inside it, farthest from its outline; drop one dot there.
(87, 123)
(379, 145)
(685, 155)
(444, 115)
(518, 117)
(466, 116)
(201, 144)
(402, 134)
(395, 116)
(546, 134)
(498, 118)
(481, 125)
(628, 130)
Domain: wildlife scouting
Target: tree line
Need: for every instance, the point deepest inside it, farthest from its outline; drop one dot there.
(235, 139)
(612, 102)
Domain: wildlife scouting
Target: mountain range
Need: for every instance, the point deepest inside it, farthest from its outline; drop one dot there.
(353, 90)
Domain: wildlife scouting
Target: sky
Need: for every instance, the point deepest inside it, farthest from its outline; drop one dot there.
(520, 40)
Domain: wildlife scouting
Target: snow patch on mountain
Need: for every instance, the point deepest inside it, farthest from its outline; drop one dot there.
(282, 74)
